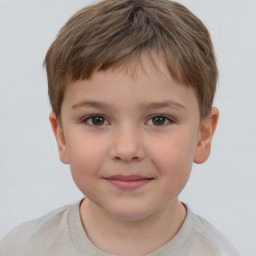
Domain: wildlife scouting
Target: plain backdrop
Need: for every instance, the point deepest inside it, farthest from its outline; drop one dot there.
(32, 179)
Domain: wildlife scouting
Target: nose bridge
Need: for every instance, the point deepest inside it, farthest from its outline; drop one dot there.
(127, 143)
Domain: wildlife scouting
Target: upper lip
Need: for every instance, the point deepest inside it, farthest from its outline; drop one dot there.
(127, 178)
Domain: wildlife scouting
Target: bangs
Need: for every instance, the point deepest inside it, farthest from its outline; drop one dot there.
(115, 33)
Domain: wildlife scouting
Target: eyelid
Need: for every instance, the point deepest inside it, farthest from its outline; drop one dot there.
(169, 118)
(86, 118)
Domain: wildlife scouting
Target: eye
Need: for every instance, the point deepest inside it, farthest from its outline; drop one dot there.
(96, 120)
(159, 120)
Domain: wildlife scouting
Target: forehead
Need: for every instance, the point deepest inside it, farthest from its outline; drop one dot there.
(147, 68)
(149, 64)
(129, 93)
(143, 81)
(150, 69)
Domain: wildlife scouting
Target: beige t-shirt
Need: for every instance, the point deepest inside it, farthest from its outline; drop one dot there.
(61, 233)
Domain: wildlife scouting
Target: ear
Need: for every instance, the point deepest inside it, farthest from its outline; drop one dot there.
(206, 132)
(60, 138)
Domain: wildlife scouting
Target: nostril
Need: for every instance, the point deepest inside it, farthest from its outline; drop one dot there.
(126, 159)
(127, 148)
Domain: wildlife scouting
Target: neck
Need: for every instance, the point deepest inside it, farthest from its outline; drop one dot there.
(131, 237)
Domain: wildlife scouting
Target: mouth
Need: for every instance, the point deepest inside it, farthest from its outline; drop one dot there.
(130, 182)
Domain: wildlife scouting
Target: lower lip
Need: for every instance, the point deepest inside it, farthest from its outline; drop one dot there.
(129, 184)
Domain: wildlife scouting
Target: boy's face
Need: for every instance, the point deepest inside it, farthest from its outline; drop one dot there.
(131, 139)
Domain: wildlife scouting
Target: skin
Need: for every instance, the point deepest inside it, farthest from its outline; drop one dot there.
(131, 136)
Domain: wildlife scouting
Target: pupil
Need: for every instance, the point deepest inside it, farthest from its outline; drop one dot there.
(159, 120)
(97, 120)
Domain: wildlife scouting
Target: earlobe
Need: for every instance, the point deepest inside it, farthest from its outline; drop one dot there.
(60, 138)
(206, 132)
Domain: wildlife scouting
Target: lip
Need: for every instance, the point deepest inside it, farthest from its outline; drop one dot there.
(131, 182)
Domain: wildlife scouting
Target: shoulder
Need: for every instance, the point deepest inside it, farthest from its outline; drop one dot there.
(30, 236)
(209, 239)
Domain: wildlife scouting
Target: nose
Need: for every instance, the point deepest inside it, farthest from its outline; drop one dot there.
(127, 145)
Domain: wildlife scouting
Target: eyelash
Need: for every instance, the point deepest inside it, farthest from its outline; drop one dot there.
(166, 118)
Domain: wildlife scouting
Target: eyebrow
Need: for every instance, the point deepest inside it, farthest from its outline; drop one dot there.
(151, 105)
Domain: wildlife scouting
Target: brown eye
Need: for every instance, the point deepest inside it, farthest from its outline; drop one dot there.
(159, 121)
(96, 120)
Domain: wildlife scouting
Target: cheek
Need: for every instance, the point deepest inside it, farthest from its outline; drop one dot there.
(176, 150)
(85, 158)
(173, 158)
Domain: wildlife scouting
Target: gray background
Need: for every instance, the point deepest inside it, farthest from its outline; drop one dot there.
(33, 181)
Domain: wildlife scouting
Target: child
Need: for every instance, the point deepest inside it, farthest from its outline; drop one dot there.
(131, 85)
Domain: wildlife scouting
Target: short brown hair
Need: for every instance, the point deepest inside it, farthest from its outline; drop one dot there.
(113, 32)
